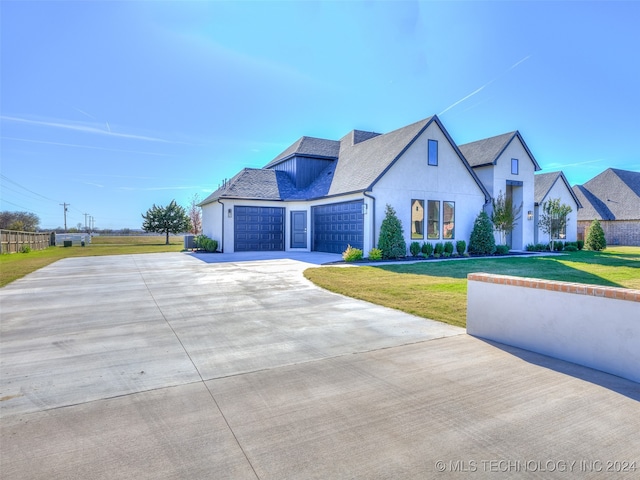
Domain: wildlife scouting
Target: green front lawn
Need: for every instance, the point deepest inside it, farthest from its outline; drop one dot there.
(438, 290)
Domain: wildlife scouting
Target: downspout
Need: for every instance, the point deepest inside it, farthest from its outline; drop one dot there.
(373, 217)
(222, 221)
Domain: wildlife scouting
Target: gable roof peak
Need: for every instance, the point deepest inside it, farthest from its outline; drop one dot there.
(487, 151)
(544, 182)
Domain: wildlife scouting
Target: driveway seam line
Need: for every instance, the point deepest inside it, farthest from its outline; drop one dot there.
(197, 370)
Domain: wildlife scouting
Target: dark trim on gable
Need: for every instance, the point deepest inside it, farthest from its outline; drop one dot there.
(435, 119)
(392, 163)
(536, 167)
(566, 183)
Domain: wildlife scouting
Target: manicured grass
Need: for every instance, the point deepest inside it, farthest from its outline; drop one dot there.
(17, 265)
(438, 290)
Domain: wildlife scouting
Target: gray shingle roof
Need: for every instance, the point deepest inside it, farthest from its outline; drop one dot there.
(255, 183)
(544, 182)
(362, 159)
(360, 165)
(612, 195)
(315, 147)
(486, 151)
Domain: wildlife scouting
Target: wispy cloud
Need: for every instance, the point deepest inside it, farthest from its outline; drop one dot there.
(74, 145)
(478, 90)
(575, 164)
(80, 127)
(90, 184)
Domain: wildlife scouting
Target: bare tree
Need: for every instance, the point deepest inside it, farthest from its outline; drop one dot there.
(22, 221)
(195, 214)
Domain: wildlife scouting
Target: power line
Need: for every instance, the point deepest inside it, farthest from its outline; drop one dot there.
(16, 205)
(25, 188)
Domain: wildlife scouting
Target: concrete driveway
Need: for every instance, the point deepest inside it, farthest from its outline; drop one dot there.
(185, 366)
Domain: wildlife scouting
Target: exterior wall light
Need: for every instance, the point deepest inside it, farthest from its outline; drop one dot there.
(229, 213)
(364, 208)
(529, 215)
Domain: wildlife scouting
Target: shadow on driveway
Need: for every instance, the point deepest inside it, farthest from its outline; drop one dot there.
(314, 258)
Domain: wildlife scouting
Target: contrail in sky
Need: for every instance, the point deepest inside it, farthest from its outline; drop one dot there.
(478, 90)
(84, 113)
(86, 146)
(81, 128)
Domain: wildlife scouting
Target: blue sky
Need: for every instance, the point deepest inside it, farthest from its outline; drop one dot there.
(114, 106)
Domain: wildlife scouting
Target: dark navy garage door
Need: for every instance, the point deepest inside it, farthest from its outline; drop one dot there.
(337, 225)
(258, 229)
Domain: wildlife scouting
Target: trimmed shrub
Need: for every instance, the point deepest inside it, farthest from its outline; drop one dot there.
(205, 243)
(538, 247)
(482, 241)
(570, 248)
(351, 254)
(580, 244)
(595, 238)
(375, 254)
(502, 249)
(461, 246)
(438, 249)
(558, 246)
(448, 247)
(391, 240)
(427, 249)
(414, 248)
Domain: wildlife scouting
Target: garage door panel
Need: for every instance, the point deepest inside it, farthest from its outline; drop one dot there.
(337, 225)
(259, 229)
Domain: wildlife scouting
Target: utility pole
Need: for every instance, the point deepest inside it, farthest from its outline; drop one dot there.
(85, 220)
(65, 205)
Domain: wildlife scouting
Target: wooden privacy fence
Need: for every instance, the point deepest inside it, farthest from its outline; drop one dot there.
(13, 241)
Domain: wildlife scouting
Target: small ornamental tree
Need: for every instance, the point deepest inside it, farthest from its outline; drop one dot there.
(170, 219)
(391, 240)
(554, 218)
(504, 216)
(595, 238)
(482, 241)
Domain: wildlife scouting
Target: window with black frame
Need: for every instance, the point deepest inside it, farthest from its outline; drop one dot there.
(417, 219)
(433, 219)
(448, 220)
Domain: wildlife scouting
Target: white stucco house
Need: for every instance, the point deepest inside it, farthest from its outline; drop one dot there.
(550, 186)
(322, 195)
(505, 165)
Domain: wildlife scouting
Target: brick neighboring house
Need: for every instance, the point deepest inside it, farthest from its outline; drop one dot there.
(613, 197)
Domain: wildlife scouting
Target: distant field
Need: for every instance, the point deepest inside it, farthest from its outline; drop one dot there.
(136, 240)
(17, 265)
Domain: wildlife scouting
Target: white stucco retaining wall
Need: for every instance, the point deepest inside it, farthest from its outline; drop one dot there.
(598, 327)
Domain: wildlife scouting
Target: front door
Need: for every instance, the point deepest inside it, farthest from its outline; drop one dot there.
(299, 229)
